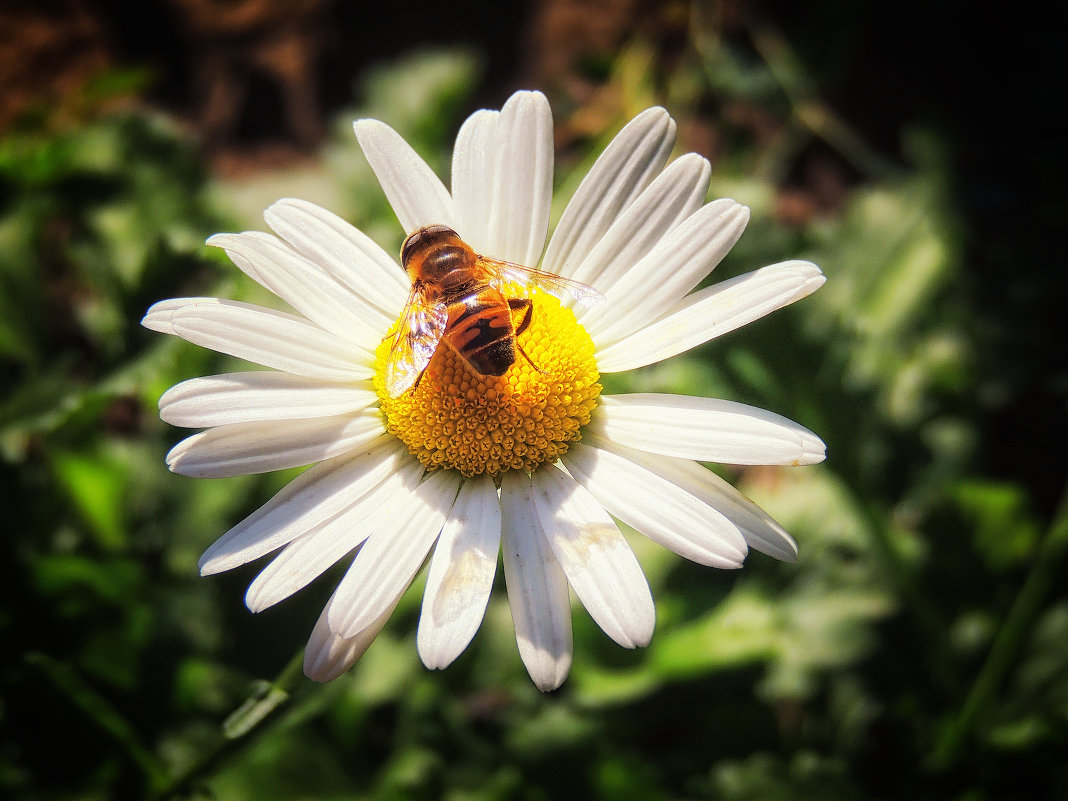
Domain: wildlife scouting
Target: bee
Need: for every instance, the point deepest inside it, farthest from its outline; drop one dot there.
(458, 297)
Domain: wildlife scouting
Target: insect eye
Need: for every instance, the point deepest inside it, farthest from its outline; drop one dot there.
(413, 243)
(424, 238)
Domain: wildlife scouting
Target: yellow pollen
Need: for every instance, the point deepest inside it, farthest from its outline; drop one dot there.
(458, 419)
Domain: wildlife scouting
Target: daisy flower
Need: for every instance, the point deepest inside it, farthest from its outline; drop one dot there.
(535, 463)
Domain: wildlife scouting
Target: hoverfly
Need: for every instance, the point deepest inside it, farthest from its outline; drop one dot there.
(458, 297)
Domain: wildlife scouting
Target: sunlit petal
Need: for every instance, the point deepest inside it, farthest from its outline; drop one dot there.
(259, 396)
(705, 429)
(633, 158)
(388, 561)
(597, 561)
(329, 655)
(678, 520)
(246, 448)
(461, 574)
(417, 195)
(672, 268)
(673, 197)
(760, 530)
(313, 498)
(712, 312)
(304, 559)
(473, 177)
(263, 336)
(304, 285)
(537, 587)
(346, 253)
(522, 179)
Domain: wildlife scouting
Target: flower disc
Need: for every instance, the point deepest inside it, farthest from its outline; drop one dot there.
(457, 418)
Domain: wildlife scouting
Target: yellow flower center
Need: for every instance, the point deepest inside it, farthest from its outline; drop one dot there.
(457, 418)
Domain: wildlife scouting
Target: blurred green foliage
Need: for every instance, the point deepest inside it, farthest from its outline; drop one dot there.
(915, 650)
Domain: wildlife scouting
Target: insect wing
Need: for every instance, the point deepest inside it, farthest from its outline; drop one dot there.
(505, 272)
(414, 343)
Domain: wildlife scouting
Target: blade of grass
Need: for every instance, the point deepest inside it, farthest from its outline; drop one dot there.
(261, 706)
(67, 681)
(809, 109)
(1008, 640)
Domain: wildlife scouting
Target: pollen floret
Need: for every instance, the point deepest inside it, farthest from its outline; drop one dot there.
(456, 418)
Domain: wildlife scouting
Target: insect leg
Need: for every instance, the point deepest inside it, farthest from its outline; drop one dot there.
(418, 378)
(529, 360)
(522, 303)
(525, 304)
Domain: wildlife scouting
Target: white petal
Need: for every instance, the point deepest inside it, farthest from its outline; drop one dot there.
(461, 574)
(760, 530)
(265, 395)
(676, 265)
(595, 557)
(416, 194)
(712, 312)
(245, 448)
(305, 559)
(522, 179)
(158, 317)
(473, 165)
(346, 253)
(388, 561)
(264, 336)
(704, 429)
(621, 172)
(329, 655)
(302, 284)
(310, 500)
(537, 587)
(673, 197)
(655, 507)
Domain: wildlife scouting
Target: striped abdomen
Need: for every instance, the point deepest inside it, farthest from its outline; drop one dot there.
(481, 330)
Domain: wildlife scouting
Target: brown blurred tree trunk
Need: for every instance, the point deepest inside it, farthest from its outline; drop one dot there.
(233, 40)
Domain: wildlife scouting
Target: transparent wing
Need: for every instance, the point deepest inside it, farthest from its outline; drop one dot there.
(414, 342)
(505, 272)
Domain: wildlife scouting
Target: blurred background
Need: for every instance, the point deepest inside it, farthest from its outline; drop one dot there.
(918, 649)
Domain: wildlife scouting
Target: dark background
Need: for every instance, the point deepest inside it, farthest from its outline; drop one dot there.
(127, 664)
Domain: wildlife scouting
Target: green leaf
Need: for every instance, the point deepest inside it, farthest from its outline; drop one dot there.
(96, 484)
(101, 712)
(264, 699)
(1004, 531)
